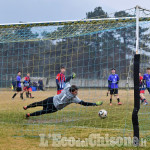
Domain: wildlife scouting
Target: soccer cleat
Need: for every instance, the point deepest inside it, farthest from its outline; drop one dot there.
(119, 103)
(27, 115)
(110, 104)
(25, 107)
(31, 97)
(146, 103)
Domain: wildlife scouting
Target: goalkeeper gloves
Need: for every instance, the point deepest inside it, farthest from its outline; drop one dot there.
(99, 103)
(73, 75)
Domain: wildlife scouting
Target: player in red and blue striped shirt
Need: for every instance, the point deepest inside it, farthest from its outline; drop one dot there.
(61, 79)
(27, 86)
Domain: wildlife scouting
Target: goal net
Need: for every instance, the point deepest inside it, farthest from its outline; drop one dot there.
(90, 48)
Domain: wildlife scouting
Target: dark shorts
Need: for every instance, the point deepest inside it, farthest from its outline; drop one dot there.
(113, 91)
(148, 90)
(109, 88)
(26, 88)
(49, 105)
(18, 89)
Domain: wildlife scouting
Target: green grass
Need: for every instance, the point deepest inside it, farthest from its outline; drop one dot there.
(73, 121)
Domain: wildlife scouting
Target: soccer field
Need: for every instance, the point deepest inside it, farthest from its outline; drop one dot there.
(73, 121)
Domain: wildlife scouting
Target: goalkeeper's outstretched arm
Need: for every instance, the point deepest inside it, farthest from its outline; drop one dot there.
(90, 104)
(70, 77)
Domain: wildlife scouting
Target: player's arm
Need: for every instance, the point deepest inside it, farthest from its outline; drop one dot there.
(144, 80)
(57, 80)
(90, 104)
(18, 80)
(70, 77)
(117, 79)
(81, 102)
(109, 81)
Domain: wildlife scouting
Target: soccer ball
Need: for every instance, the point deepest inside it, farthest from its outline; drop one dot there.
(102, 113)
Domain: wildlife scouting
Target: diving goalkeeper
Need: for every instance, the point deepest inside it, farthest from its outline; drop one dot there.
(58, 102)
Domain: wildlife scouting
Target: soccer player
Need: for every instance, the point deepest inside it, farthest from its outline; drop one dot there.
(27, 86)
(142, 90)
(18, 85)
(58, 102)
(113, 81)
(146, 79)
(61, 80)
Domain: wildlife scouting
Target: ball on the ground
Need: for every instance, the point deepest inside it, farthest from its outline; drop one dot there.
(102, 113)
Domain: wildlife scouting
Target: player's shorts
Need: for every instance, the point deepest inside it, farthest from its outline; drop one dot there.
(113, 91)
(59, 91)
(18, 89)
(109, 88)
(142, 90)
(26, 88)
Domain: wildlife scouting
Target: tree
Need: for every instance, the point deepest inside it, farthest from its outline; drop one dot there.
(97, 13)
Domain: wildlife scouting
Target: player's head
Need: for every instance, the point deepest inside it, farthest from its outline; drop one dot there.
(74, 90)
(62, 69)
(28, 74)
(19, 73)
(148, 70)
(113, 70)
(140, 74)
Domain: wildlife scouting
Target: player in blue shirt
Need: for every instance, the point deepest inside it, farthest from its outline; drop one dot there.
(142, 90)
(146, 79)
(18, 86)
(113, 81)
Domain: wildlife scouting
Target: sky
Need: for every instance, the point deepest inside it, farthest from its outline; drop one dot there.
(13, 11)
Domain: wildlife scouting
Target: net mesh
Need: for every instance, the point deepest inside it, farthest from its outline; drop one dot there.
(90, 48)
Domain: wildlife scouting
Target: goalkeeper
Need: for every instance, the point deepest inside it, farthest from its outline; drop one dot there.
(58, 102)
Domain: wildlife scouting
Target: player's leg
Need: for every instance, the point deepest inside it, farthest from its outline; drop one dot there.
(21, 95)
(37, 113)
(111, 93)
(141, 96)
(43, 103)
(41, 112)
(18, 89)
(14, 95)
(108, 92)
(48, 107)
(117, 96)
(29, 93)
(143, 99)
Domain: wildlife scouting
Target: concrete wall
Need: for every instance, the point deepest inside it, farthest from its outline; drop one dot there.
(48, 83)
